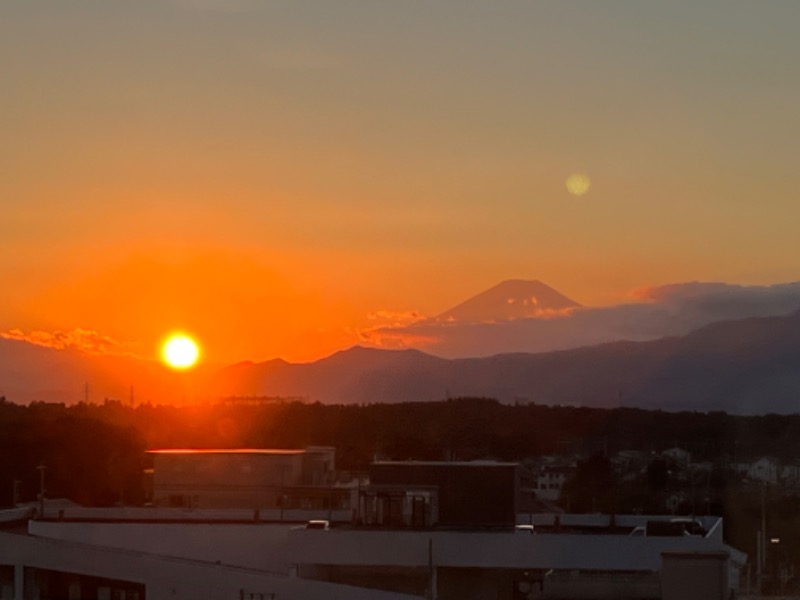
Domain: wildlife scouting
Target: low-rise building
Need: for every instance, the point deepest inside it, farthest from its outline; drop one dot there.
(550, 481)
(441, 494)
(155, 554)
(247, 478)
(763, 470)
(422, 530)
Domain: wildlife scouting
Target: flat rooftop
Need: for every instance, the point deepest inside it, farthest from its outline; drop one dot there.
(444, 463)
(184, 451)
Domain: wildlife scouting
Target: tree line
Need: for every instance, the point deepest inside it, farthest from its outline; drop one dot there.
(95, 454)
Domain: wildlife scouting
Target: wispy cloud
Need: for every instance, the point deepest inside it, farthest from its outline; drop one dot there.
(390, 330)
(395, 338)
(412, 329)
(685, 291)
(393, 318)
(722, 300)
(84, 340)
(554, 313)
(528, 311)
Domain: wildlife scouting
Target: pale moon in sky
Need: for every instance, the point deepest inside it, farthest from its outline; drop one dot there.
(578, 184)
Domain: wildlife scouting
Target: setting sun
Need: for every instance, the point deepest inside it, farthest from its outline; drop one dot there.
(180, 351)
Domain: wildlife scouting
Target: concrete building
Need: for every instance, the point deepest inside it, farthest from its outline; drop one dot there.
(764, 470)
(678, 456)
(247, 478)
(423, 530)
(156, 559)
(550, 481)
(149, 554)
(441, 494)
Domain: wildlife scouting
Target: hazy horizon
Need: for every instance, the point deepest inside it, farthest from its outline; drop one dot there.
(276, 178)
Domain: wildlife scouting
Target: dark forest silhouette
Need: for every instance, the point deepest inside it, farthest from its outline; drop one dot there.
(96, 454)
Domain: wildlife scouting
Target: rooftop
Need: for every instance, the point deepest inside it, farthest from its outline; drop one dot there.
(444, 463)
(226, 451)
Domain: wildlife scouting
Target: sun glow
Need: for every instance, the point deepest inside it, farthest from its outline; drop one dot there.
(180, 351)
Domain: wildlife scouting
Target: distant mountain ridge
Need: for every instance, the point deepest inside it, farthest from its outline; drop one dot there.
(509, 300)
(749, 366)
(30, 373)
(499, 321)
(687, 348)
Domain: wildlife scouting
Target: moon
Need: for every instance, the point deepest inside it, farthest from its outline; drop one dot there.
(578, 184)
(180, 351)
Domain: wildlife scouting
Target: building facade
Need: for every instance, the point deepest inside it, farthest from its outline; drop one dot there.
(247, 478)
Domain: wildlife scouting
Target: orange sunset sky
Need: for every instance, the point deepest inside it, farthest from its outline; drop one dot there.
(275, 177)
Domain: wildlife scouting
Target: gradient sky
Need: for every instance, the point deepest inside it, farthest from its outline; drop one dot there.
(268, 174)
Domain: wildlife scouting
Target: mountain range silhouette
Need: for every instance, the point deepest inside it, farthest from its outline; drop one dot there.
(745, 365)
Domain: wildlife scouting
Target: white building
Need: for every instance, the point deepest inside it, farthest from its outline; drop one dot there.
(764, 470)
(154, 554)
(678, 456)
(550, 481)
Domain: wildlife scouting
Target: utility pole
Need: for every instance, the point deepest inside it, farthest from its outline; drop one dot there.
(758, 562)
(282, 495)
(761, 539)
(41, 468)
(763, 527)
